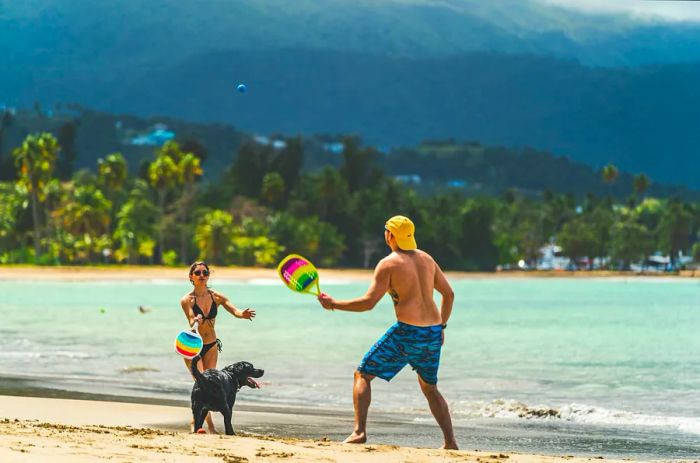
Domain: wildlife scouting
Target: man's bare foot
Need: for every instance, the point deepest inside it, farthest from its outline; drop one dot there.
(450, 446)
(356, 438)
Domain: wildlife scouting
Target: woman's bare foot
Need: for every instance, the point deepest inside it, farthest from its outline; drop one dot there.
(211, 429)
(356, 438)
(450, 446)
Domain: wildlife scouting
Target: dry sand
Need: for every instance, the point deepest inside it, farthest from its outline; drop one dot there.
(75, 431)
(75, 273)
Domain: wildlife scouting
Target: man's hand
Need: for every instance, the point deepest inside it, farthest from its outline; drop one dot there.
(326, 301)
(443, 338)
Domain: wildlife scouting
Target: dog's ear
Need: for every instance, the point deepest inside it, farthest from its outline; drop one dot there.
(232, 370)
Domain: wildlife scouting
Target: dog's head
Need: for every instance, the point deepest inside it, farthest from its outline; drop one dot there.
(244, 372)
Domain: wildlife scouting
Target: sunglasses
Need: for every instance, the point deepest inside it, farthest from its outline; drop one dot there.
(201, 272)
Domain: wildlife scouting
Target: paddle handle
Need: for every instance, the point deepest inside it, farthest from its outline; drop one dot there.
(311, 290)
(195, 326)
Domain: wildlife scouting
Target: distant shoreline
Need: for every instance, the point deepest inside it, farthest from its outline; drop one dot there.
(154, 272)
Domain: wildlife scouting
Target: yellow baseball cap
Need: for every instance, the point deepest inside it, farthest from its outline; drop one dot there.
(403, 230)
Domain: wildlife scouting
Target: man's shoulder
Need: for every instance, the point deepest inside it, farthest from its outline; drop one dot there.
(397, 259)
(423, 255)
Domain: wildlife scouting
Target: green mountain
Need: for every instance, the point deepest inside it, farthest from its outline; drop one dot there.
(430, 167)
(514, 73)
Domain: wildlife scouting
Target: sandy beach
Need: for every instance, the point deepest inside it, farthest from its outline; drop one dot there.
(120, 273)
(73, 431)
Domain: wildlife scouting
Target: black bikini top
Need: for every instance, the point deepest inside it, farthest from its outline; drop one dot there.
(212, 311)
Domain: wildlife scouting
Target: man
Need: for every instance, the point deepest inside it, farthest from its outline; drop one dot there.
(409, 275)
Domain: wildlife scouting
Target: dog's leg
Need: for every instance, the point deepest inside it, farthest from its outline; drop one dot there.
(198, 412)
(227, 421)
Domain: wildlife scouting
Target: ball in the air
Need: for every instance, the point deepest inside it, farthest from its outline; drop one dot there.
(241, 88)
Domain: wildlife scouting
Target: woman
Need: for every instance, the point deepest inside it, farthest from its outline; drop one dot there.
(201, 305)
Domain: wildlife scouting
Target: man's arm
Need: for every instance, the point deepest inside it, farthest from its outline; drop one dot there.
(448, 296)
(376, 290)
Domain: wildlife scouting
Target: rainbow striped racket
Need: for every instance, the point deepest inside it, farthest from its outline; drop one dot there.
(299, 274)
(188, 343)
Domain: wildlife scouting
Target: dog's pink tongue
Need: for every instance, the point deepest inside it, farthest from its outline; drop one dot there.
(252, 383)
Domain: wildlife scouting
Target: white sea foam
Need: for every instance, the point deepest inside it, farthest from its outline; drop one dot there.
(577, 413)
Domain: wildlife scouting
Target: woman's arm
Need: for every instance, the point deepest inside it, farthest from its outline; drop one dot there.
(187, 309)
(248, 314)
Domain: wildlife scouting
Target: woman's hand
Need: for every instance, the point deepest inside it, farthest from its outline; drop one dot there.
(248, 314)
(198, 319)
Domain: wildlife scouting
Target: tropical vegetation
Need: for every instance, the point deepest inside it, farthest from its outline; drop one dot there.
(266, 204)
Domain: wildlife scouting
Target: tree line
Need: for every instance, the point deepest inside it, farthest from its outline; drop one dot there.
(265, 204)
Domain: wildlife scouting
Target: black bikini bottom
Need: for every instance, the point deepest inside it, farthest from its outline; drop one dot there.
(207, 347)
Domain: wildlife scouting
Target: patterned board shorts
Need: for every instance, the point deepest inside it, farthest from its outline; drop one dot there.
(418, 346)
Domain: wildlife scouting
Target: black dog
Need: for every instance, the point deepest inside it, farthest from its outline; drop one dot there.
(215, 390)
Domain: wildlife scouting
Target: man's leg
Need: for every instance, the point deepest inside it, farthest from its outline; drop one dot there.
(439, 409)
(361, 398)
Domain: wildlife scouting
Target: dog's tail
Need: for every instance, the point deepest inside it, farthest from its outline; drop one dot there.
(195, 371)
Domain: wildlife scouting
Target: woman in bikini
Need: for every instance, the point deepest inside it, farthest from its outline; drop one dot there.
(201, 305)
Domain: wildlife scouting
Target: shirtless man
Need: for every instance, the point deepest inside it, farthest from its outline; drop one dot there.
(409, 275)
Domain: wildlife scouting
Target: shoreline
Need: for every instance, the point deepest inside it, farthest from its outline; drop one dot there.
(28, 409)
(126, 272)
(68, 430)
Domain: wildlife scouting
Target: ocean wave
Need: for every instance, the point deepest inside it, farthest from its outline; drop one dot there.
(138, 369)
(48, 354)
(577, 413)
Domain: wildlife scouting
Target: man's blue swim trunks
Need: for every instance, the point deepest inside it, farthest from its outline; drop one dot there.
(418, 346)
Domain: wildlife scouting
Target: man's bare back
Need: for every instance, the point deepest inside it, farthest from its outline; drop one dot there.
(411, 284)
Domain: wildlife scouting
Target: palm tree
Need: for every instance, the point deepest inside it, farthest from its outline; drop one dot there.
(86, 215)
(190, 170)
(214, 236)
(163, 174)
(85, 212)
(641, 183)
(610, 173)
(112, 172)
(135, 224)
(35, 160)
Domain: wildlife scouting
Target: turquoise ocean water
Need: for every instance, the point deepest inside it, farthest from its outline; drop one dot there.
(605, 366)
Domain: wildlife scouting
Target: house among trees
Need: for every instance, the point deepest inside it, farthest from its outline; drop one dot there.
(158, 136)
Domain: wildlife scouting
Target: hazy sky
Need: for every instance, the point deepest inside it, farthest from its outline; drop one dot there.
(647, 10)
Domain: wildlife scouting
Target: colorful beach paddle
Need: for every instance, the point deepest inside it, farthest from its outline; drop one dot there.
(188, 343)
(299, 274)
